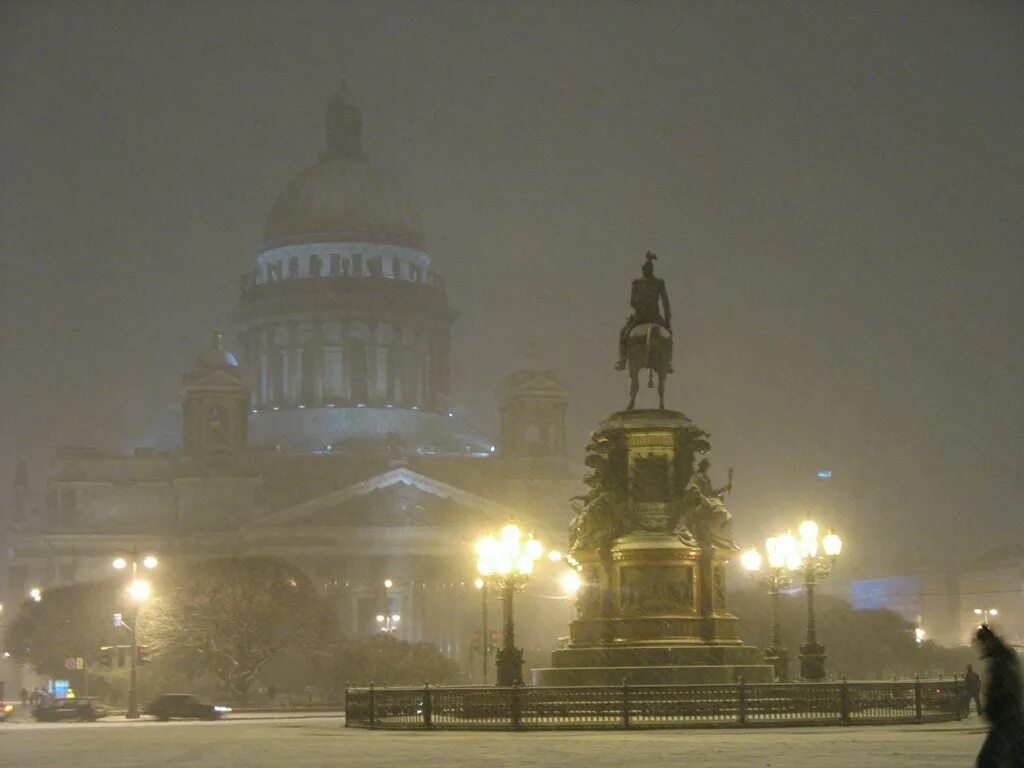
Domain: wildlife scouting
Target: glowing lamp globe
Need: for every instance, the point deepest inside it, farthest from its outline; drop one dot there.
(751, 560)
(832, 544)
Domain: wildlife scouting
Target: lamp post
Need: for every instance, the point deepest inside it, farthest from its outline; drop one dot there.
(139, 591)
(485, 639)
(814, 567)
(775, 579)
(388, 623)
(788, 555)
(985, 613)
(507, 561)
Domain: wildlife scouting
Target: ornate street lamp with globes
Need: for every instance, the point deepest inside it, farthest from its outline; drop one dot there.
(776, 578)
(815, 566)
(506, 561)
(790, 556)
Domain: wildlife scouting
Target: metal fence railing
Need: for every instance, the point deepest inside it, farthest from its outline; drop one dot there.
(655, 706)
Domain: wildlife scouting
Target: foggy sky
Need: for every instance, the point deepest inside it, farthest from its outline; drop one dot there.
(834, 191)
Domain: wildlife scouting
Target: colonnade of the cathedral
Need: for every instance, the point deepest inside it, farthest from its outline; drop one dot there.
(347, 362)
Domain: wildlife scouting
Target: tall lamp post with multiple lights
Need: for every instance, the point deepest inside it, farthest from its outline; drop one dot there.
(506, 561)
(776, 578)
(815, 566)
(139, 591)
(790, 556)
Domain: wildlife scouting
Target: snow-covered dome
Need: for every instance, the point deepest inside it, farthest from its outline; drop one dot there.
(342, 197)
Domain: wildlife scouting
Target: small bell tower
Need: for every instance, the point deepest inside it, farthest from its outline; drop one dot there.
(533, 404)
(215, 403)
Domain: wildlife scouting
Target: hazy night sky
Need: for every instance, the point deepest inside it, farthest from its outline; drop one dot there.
(834, 189)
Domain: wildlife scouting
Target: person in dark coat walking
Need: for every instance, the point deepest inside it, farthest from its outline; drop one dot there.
(972, 690)
(1004, 709)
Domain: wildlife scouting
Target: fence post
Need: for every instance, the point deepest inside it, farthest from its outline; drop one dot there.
(957, 703)
(844, 702)
(348, 714)
(741, 716)
(625, 703)
(918, 708)
(428, 714)
(516, 709)
(372, 705)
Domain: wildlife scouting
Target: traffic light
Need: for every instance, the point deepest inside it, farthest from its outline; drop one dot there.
(142, 656)
(107, 656)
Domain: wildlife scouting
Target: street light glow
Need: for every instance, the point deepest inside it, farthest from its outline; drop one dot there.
(510, 534)
(140, 590)
(120, 563)
(832, 543)
(534, 549)
(36, 594)
(571, 582)
(751, 560)
(149, 561)
(388, 583)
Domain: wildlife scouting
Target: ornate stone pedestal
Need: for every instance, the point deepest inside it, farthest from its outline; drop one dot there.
(652, 540)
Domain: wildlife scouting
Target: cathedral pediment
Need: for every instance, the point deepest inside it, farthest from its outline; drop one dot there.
(397, 498)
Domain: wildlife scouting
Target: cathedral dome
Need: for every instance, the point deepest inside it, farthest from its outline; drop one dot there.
(216, 356)
(342, 198)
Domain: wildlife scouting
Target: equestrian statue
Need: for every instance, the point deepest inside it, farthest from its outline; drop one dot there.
(646, 339)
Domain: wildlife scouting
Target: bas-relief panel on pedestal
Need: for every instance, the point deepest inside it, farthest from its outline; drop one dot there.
(655, 589)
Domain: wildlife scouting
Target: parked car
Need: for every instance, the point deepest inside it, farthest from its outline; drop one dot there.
(54, 711)
(168, 705)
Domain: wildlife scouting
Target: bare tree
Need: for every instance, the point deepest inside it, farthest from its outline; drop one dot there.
(232, 616)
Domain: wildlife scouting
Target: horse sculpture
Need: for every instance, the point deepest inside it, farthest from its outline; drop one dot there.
(648, 346)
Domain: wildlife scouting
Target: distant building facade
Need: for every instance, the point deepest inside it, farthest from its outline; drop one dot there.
(333, 443)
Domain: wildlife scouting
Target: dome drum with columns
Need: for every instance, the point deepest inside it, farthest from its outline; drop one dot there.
(344, 310)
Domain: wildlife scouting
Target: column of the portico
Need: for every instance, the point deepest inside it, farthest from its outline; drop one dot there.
(372, 363)
(263, 365)
(317, 348)
(294, 395)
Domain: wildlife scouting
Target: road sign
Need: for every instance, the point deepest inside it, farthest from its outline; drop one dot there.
(118, 621)
(70, 663)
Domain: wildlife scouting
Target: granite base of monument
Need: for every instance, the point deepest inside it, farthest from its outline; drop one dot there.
(651, 540)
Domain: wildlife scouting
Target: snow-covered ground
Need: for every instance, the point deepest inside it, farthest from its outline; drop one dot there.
(323, 741)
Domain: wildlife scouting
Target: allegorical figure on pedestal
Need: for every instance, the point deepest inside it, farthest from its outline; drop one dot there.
(706, 515)
(645, 341)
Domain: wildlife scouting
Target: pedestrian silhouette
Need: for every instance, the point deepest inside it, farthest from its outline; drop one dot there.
(972, 690)
(1004, 745)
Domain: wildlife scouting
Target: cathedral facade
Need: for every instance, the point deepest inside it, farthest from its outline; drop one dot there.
(332, 442)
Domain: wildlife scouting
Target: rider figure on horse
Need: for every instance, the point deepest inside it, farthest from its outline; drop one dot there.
(647, 291)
